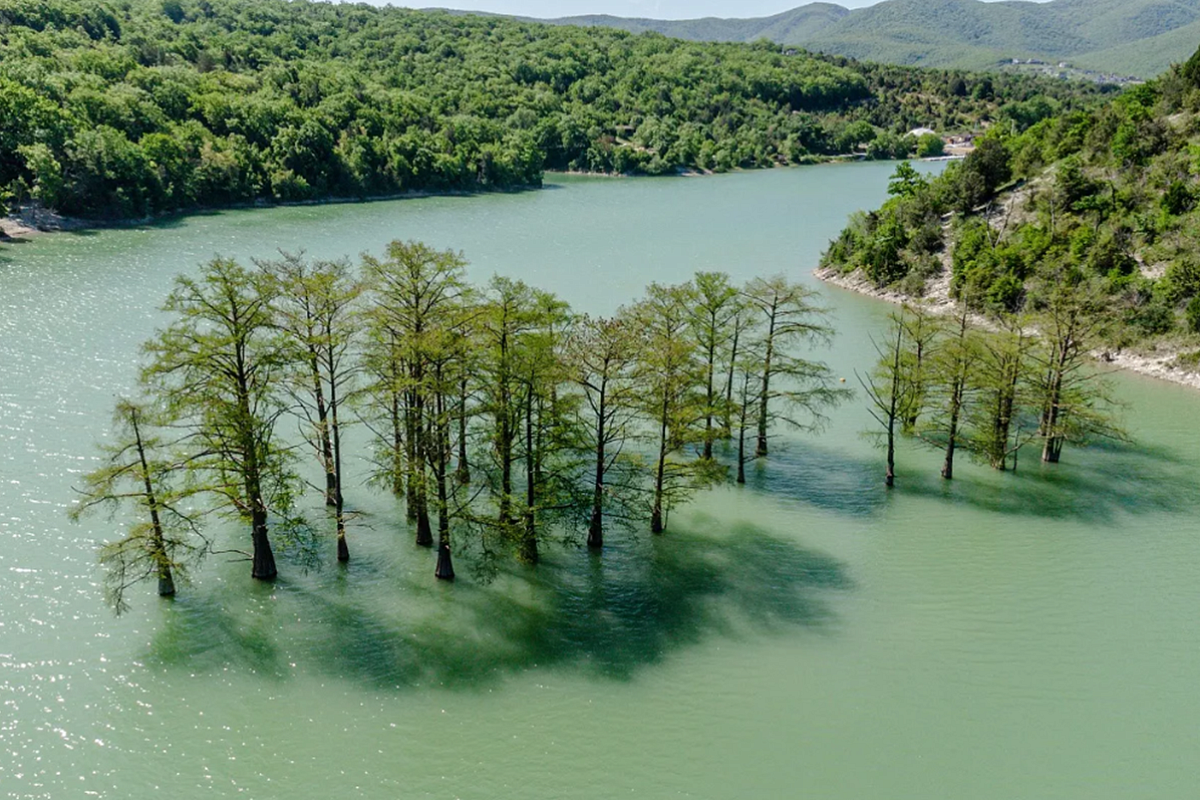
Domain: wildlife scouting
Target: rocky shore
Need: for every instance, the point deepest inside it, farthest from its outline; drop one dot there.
(1161, 363)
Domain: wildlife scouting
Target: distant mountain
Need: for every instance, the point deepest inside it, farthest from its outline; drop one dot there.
(1133, 37)
(791, 27)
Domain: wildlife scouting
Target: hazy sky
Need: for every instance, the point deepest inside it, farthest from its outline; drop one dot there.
(658, 9)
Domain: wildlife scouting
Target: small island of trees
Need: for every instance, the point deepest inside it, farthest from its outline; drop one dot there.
(501, 419)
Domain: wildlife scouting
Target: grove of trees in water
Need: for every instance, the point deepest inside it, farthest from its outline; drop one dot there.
(501, 418)
(989, 386)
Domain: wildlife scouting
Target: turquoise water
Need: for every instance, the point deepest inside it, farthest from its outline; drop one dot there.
(1001, 637)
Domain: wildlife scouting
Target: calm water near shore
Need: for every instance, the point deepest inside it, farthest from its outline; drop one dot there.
(1027, 636)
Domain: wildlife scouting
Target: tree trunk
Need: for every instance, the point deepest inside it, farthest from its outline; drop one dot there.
(263, 567)
(952, 442)
(595, 540)
(166, 581)
(411, 454)
(325, 443)
(464, 468)
(445, 569)
(424, 529)
(733, 354)
(710, 398)
(397, 447)
(339, 501)
(656, 513)
(889, 479)
(741, 471)
(1052, 414)
(763, 410)
(529, 545)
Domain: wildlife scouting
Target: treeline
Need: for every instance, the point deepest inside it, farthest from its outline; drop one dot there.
(991, 386)
(501, 418)
(125, 108)
(1105, 200)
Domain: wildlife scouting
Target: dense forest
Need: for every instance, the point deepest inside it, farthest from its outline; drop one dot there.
(128, 108)
(500, 418)
(1102, 203)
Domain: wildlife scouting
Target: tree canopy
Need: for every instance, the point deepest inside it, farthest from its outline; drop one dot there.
(128, 108)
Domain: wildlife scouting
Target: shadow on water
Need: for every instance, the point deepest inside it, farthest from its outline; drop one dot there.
(606, 616)
(822, 477)
(1092, 486)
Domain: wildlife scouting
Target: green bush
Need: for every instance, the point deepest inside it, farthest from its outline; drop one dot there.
(1193, 315)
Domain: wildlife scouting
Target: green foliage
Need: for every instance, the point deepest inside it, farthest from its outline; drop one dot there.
(1193, 315)
(1101, 198)
(930, 145)
(163, 105)
(906, 181)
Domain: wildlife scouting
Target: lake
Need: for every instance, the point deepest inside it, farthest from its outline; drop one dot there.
(808, 635)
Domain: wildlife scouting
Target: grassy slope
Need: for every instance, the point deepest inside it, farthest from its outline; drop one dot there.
(1146, 57)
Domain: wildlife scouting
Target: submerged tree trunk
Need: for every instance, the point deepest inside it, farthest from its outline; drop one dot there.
(325, 443)
(445, 567)
(656, 513)
(763, 408)
(263, 566)
(397, 446)
(421, 495)
(741, 470)
(709, 402)
(463, 472)
(158, 542)
(339, 500)
(1052, 413)
(952, 441)
(528, 553)
(727, 415)
(595, 540)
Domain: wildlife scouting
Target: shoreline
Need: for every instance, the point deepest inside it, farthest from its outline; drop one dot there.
(1160, 367)
(37, 221)
(34, 220)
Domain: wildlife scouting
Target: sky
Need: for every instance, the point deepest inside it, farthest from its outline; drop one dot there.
(655, 9)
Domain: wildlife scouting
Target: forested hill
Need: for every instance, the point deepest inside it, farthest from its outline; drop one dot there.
(1126, 37)
(135, 107)
(1099, 209)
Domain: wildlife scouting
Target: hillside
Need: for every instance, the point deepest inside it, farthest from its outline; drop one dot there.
(141, 107)
(1130, 37)
(1102, 205)
(791, 27)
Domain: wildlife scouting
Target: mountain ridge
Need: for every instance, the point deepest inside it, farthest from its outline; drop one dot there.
(1140, 38)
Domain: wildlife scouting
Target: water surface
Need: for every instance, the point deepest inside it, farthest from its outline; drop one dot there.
(1002, 637)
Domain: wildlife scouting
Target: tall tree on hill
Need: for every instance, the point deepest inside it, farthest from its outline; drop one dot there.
(215, 370)
(314, 305)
